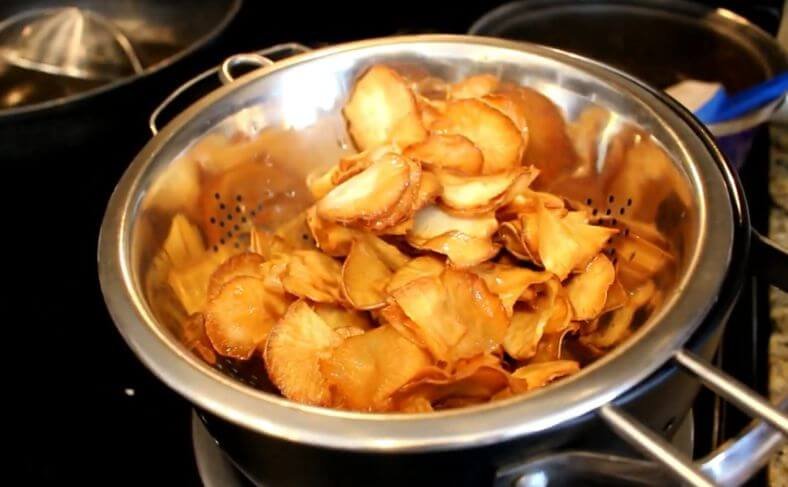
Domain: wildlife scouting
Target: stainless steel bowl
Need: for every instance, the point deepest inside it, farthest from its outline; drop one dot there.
(297, 104)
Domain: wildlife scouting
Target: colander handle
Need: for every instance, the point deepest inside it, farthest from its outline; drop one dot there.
(735, 461)
(257, 59)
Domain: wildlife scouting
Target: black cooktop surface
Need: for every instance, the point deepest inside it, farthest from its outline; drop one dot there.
(89, 411)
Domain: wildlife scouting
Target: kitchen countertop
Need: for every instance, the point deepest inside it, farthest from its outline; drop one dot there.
(778, 345)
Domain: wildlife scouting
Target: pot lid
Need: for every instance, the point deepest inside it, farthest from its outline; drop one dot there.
(54, 54)
(661, 42)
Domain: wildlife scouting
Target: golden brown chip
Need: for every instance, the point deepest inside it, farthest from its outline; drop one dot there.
(405, 207)
(186, 265)
(409, 130)
(568, 243)
(380, 100)
(474, 86)
(462, 250)
(540, 374)
(465, 240)
(313, 275)
(239, 318)
(338, 317)
(295, 346)
(474, 382)
(429, 190)
(491, 131)
(549, 147)
(452, 152)
(639, 259)
(266, 244)
(587, 291)
(424, 266)
(508, 282)
(524, 333)
(511, 106)
(332, 238)
(296, 234)
(194, 337)
(482, 193)
(244, 264)
(432, 221)
(616, 297)
(369, 195)
(363, 373)
(617, 328)
(457, 316)
(365, 276)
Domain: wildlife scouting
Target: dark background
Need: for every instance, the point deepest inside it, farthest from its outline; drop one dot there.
(71, 418)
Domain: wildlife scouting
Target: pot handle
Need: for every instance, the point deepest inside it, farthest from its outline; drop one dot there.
(768, 260)
(258, 59)
(732, 463)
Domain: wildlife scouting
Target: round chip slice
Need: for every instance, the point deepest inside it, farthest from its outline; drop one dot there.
(496, 136)
(313, 275)
(370, 195)
(379, 101)
(293, 352)
(240, 316)
(448, 151)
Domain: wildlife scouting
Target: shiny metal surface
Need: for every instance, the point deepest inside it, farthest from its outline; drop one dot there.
(225, 75)
(158, 34)
(70, 42)
(741, 457)
(732, 390)
(296, 104)
(654, 446)
(733, 462)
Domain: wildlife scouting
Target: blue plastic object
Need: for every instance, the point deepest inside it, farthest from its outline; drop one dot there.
(722, 107)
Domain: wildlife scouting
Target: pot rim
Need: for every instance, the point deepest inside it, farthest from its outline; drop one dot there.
(596, 385)
(30, 110)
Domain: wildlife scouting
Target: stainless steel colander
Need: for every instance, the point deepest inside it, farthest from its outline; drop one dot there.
(293, 107)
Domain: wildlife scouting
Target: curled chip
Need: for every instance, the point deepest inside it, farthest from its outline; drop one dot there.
(617, 327)
(480, 194)
(332, 238)
(432, 221)
(540, 374)
(549, 147)
(587, 291)
(496, 136)
(380, 104)
(313, 275)
(530, 322)
(568, 243)
(367, 271)
(244, 264)
(473, 86)
(456, 315)
(475, 380)
(266, 244)
(452, 152)
(365, 370)
(510, 283)
(372, 194)
(338, 317)
(466, 241)
(293, 352)
(424, 266)
(239, 318)
(429, 190)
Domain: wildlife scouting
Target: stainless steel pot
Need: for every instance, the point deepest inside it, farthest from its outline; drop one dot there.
(297, 104)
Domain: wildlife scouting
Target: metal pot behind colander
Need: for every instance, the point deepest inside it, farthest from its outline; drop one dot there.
(294, 108)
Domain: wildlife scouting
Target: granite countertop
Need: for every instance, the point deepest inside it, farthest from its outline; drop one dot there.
(778, 345)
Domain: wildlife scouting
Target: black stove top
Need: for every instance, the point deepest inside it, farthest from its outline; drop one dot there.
(90, 411)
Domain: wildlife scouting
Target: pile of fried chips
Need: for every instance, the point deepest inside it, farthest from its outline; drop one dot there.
(434, 275)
